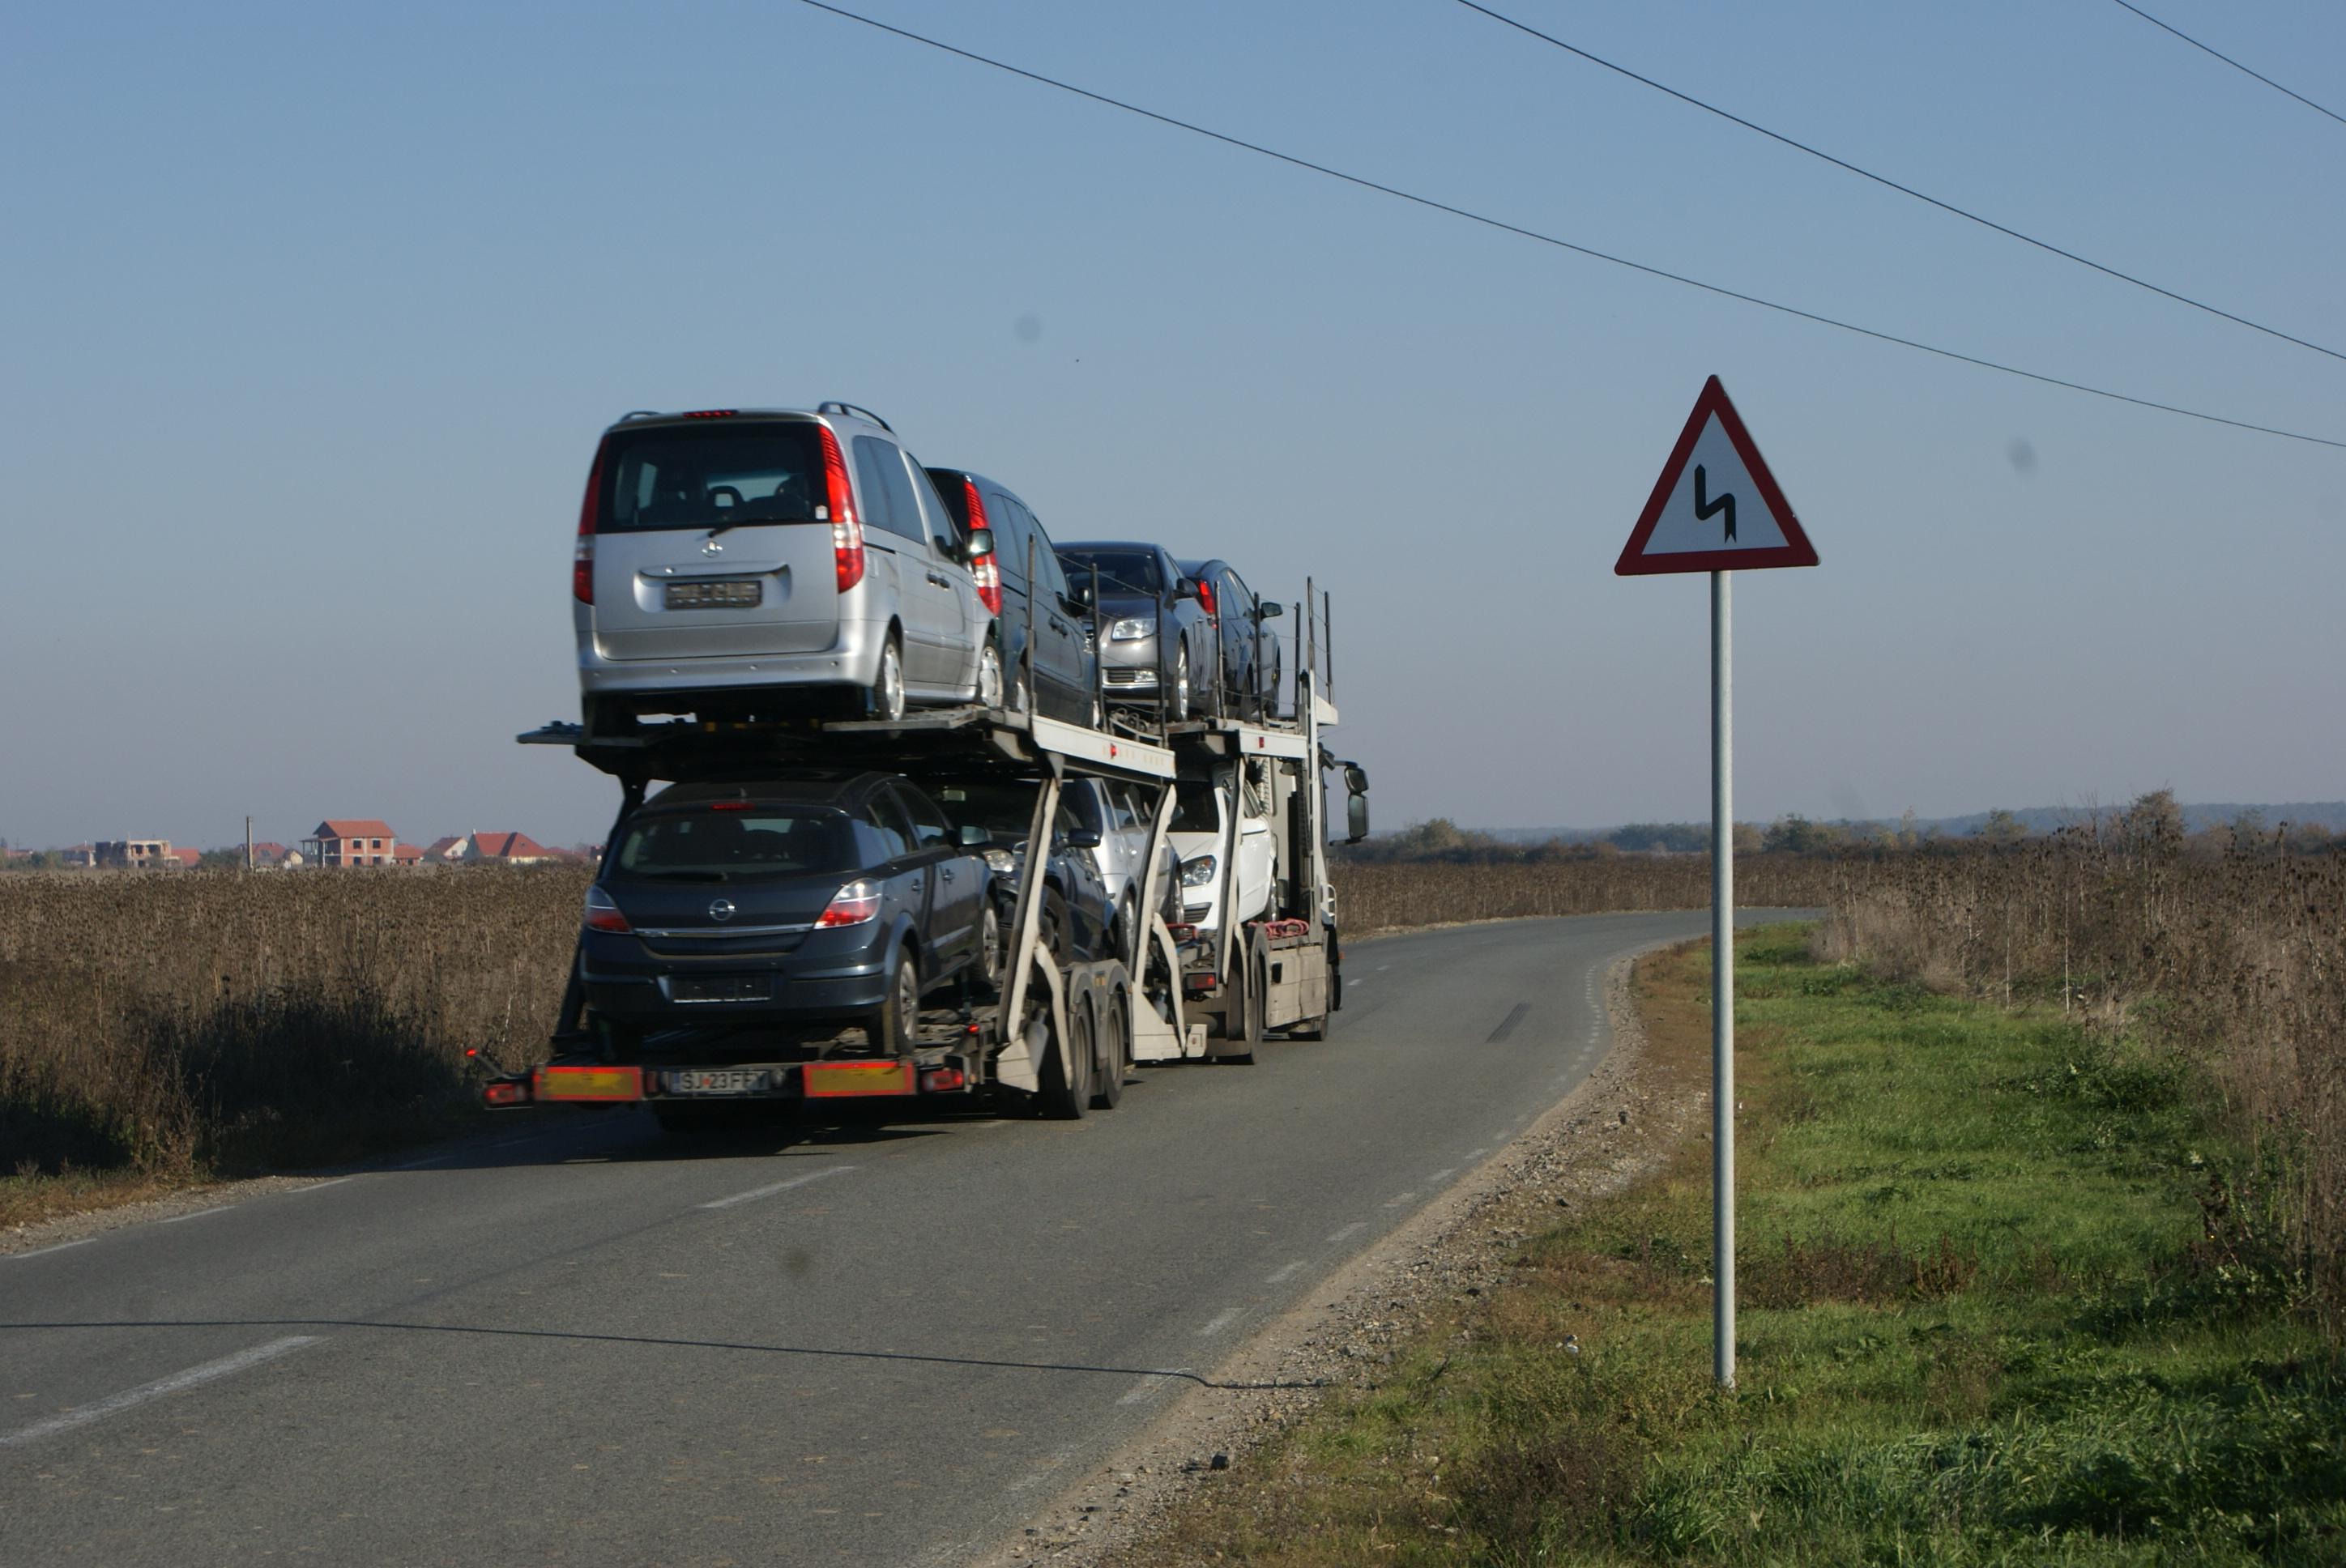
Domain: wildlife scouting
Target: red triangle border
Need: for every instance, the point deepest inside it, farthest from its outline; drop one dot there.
(1795, 551)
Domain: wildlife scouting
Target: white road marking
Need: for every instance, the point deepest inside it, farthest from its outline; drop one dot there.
(1282, 1272)
(1476, 1154)
(1441, 1175)
(1397, 1202)
(418, 1165)
(60, 1247)
(1143, 1389)
(1222, 1319)
(156, 1390)
(1348, 1231)
(317, 1186)
(777, 1187)
(197, 1215)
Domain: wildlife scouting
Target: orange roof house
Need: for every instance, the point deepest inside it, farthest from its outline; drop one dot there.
(353, 841)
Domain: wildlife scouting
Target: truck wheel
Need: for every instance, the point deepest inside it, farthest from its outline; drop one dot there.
(890, 1029)
(1112, 1051)
(1066, 1076)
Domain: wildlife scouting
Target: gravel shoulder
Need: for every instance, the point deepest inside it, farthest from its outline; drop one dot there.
(1619, 1124)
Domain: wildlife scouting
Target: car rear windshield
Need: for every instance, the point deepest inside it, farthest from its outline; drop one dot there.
(701, 476)
(714, 846)
(1121, 571)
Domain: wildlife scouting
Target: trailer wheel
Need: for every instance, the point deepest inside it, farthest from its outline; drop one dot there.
(1253, 1005)
(1113, 1049)
(1067, 1074)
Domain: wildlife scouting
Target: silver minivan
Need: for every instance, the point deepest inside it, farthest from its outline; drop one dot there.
(739, 563)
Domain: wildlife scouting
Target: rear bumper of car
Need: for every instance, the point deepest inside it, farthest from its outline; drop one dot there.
(852, 660)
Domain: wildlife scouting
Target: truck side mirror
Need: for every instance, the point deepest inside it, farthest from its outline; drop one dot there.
(1356, 819)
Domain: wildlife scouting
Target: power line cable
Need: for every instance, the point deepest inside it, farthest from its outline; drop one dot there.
(1504, 227)
(2227, 59)
(1902, 190)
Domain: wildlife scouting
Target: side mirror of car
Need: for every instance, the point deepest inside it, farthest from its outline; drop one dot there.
(979, 543)
(1184, 589)
(1269, 609)
(1083, 839)
(972, 836)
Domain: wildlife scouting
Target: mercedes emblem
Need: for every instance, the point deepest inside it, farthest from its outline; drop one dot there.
(712, 546)
(720, 909)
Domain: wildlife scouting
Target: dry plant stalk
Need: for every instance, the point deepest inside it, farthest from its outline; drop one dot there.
(167, 1021)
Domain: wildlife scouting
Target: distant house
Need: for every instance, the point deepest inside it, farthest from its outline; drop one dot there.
(81, 855)
(269, 854)
(406, 855)
(138, 854)
(507, 849)
(188, 858)
(352, 841)
(448, 851)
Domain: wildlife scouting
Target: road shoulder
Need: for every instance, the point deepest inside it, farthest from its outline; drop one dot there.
(1617, 1125)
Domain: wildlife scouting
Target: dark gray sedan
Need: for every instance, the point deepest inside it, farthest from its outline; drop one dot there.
(1251, 667)
(1156, 645)
(840, 899)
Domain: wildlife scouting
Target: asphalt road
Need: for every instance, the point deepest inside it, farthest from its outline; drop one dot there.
(595, 1343)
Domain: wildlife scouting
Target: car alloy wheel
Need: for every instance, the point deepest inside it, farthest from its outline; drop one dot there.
(1181, 687)
(887, 698)
(989, 674)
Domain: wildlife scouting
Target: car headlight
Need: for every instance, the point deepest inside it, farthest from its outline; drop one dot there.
(1196, 873)
(1000, 860)
(1131, 631)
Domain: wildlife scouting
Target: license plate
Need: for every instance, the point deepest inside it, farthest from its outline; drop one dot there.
(714, 596)
(723, 988)
(722, 1081)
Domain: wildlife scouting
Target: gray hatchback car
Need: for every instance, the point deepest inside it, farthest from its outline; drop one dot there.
(1157, 645)
(739, 563)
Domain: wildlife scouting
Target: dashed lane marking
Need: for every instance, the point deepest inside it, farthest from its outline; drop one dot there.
(1222, 1319)
(1144, 1388)
(1283, 1272)
(1357, 1224)
(156, 1390)
(770, 1191)
(1397, 1202)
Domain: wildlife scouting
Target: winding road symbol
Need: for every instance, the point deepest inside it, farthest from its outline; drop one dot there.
(1705, 509)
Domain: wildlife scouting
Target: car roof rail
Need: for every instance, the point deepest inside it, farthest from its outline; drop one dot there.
(862, 414)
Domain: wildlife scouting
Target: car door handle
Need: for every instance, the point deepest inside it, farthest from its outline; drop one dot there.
(947, 874)
(939, 582)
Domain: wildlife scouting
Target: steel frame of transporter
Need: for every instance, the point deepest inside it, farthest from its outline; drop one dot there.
(1056, 1039)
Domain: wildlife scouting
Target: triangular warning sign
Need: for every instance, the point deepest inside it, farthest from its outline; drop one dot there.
(1717, 507)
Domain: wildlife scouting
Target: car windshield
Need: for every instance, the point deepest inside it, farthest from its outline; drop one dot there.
(1121, 571)
(1005, 810)
(720, 474)
(712, 846)
(1195, 809)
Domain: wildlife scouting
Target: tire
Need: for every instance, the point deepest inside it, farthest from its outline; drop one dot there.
(1181, 706)
(989, 673)
(989, 946)
(890, 1030)
(885, 699)
(1257, 1006)
(1112, 1050)
(1120, 928)
(1051, 931)
(1066, 1076)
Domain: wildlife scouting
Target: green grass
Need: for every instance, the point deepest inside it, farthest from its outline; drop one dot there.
(1975, 1330)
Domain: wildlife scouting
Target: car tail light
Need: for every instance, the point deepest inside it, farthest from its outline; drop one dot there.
(731, 805)
(582, 559)
(602, 915)
(943, 1079)
(1206, 596)
(712, 414)
(985, 569)
(846, 530)
(855, 904)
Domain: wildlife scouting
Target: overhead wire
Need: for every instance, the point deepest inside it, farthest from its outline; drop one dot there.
(2227, 59)
(1902, 190)
(1504, 227)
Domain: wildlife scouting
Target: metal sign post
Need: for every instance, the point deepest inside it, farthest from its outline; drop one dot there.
(1677, 533)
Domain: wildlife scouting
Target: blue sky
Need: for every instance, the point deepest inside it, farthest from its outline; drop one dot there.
(312, 315)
